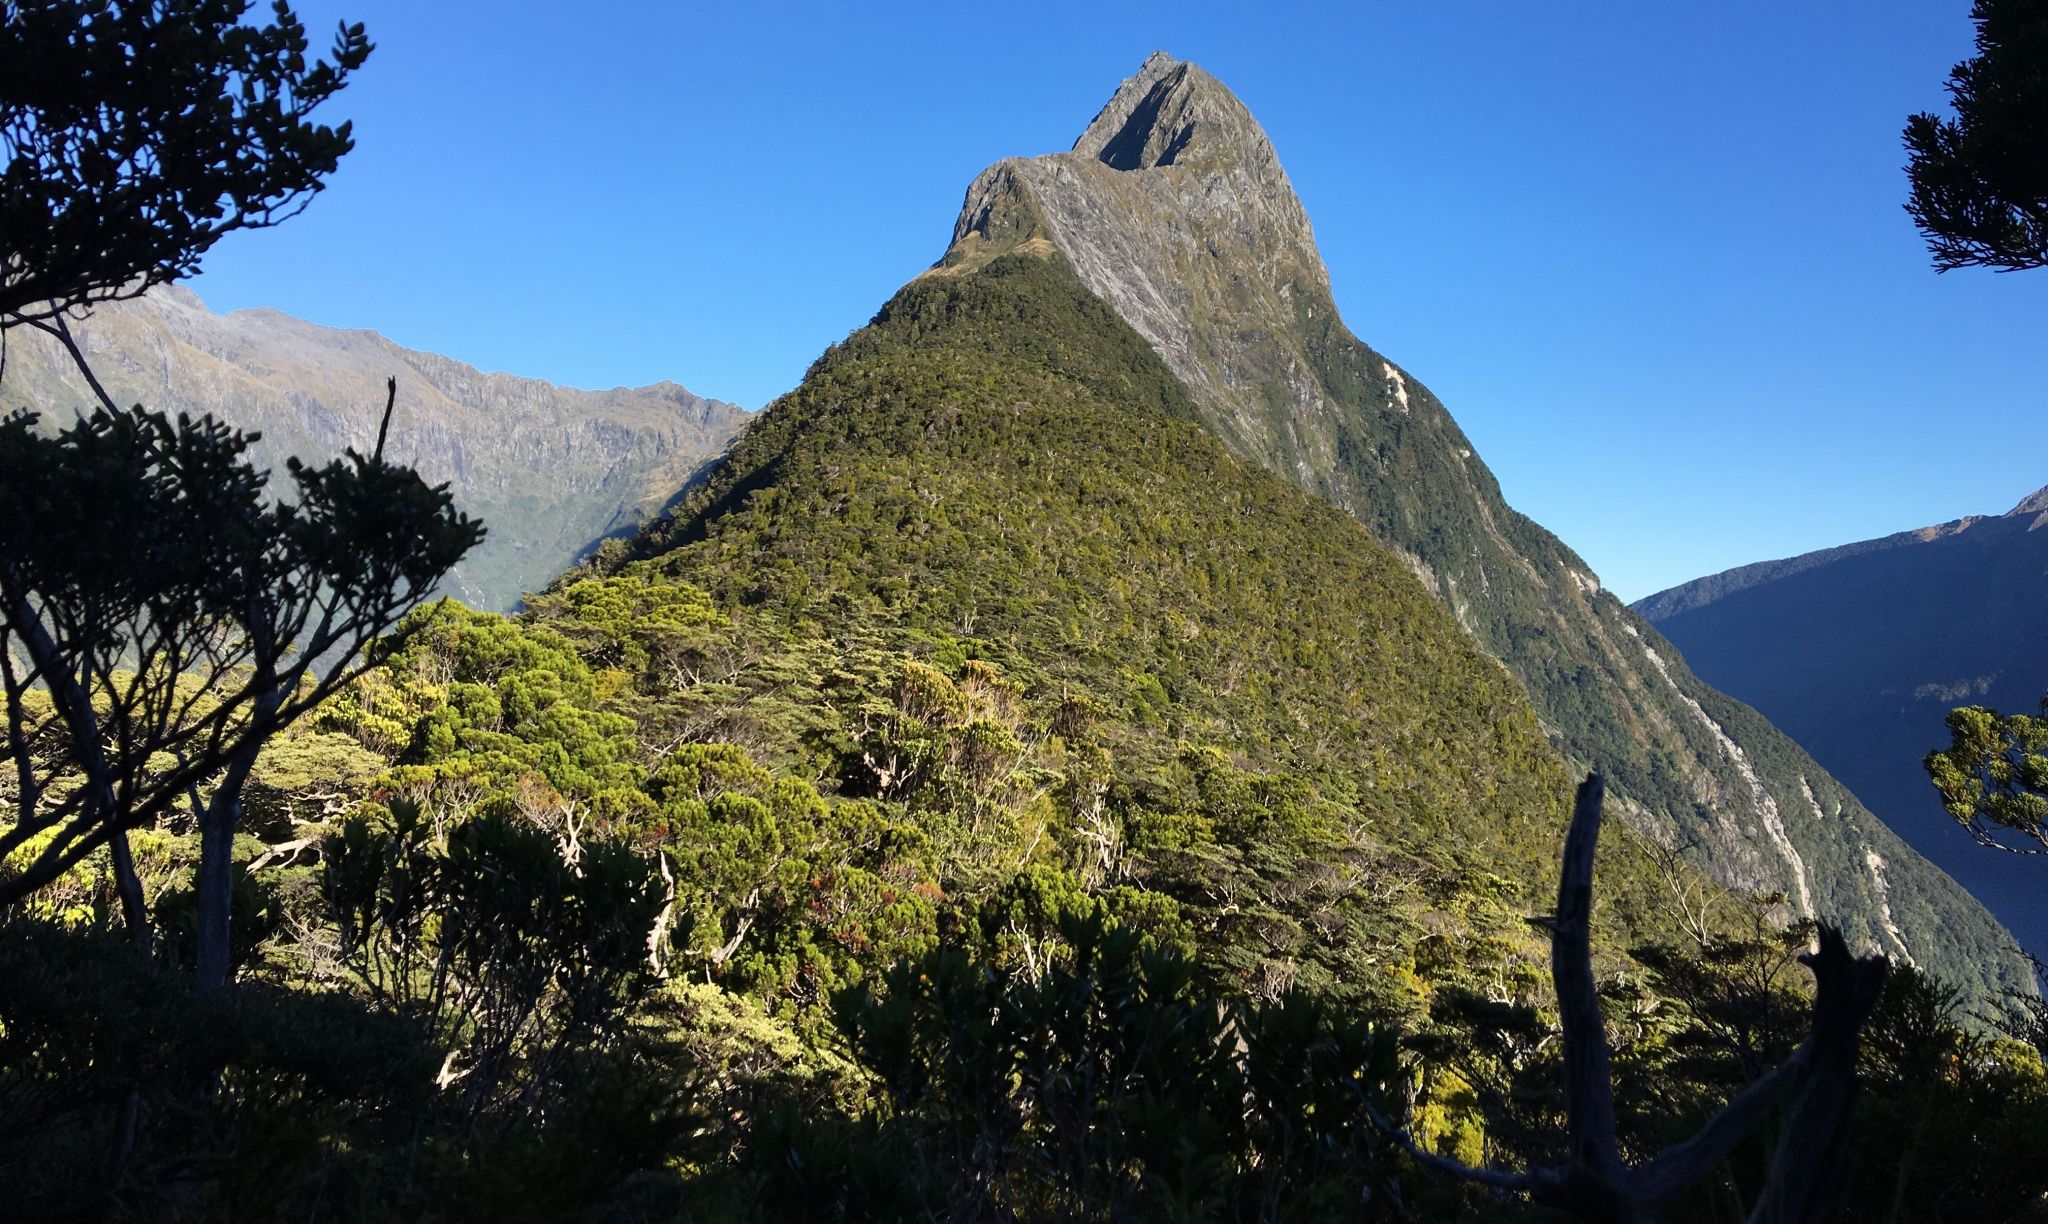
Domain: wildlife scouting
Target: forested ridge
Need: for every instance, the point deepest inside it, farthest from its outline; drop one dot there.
(984, 799)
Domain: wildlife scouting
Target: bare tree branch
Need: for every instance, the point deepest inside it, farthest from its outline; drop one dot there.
(1819, 1077)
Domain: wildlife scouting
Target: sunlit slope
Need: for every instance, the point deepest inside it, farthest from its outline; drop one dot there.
(999, 467)
(549, 469)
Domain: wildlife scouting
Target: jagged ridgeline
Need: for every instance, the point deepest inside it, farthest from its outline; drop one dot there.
(549, 469)
(1174, 210)
(1208, 687)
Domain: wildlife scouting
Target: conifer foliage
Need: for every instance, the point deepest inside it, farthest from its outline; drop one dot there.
(138, 133)
(1980, 179)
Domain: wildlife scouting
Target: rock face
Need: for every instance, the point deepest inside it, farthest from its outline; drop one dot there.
(1173, 208)
(549, 469)
(1860, 651)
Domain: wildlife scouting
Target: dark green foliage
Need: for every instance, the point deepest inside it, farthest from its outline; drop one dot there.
(308, 1099)
(162, 619)
(134, 134)
(1102, 1086)
(498, 941)
(269, 1102)
(1942, 1089)
(1948, 1122)
(1980, 180)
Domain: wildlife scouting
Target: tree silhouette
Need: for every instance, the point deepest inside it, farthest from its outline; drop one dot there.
(137, 133)
(162, 617)
(1980, 180)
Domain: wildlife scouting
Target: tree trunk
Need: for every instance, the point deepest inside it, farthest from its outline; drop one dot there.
(134, 911)
(217, 823)
(135, 914)
(218, 820)
(1594, 1183)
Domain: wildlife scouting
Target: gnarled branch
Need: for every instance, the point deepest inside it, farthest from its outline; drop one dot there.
(1819, 1078)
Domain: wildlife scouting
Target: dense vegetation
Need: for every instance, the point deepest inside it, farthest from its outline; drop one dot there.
(985, 799)
(1153, 666)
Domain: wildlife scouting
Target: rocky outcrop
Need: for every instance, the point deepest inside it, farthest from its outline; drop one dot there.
(549, 469)
(1173, 207)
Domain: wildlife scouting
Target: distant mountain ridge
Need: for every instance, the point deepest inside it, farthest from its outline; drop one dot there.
(1173, 208)
(1698, 592)
(1860, 651)
(550, 469)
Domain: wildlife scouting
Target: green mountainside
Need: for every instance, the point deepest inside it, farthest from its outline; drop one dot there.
(1173, 208)
(1860, 651)
(550, 469)
(1225, 692)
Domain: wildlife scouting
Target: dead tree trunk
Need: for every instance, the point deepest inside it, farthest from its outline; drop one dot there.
(1819, 1079)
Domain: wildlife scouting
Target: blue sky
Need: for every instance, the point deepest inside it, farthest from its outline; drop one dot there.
(1652, 256)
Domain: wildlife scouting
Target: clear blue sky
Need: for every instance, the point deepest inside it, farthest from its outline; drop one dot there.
(1652, 256)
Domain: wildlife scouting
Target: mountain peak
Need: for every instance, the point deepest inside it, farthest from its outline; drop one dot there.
(1173, 209)
(1169, 111)
(1172, 194)
(2032, 503)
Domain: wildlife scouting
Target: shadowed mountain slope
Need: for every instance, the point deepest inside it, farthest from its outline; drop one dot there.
(1173, 208)
(549, 469)
(1860, 651)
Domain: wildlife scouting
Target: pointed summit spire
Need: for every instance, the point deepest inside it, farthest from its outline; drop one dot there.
(1173, 209)
(1125, 112)
(1172, 196)
(1171, 109)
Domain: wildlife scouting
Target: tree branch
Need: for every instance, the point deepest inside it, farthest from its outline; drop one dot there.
(56, 326)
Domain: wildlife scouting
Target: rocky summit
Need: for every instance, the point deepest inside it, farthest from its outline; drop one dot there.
(551, 470)
(1173, 208)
